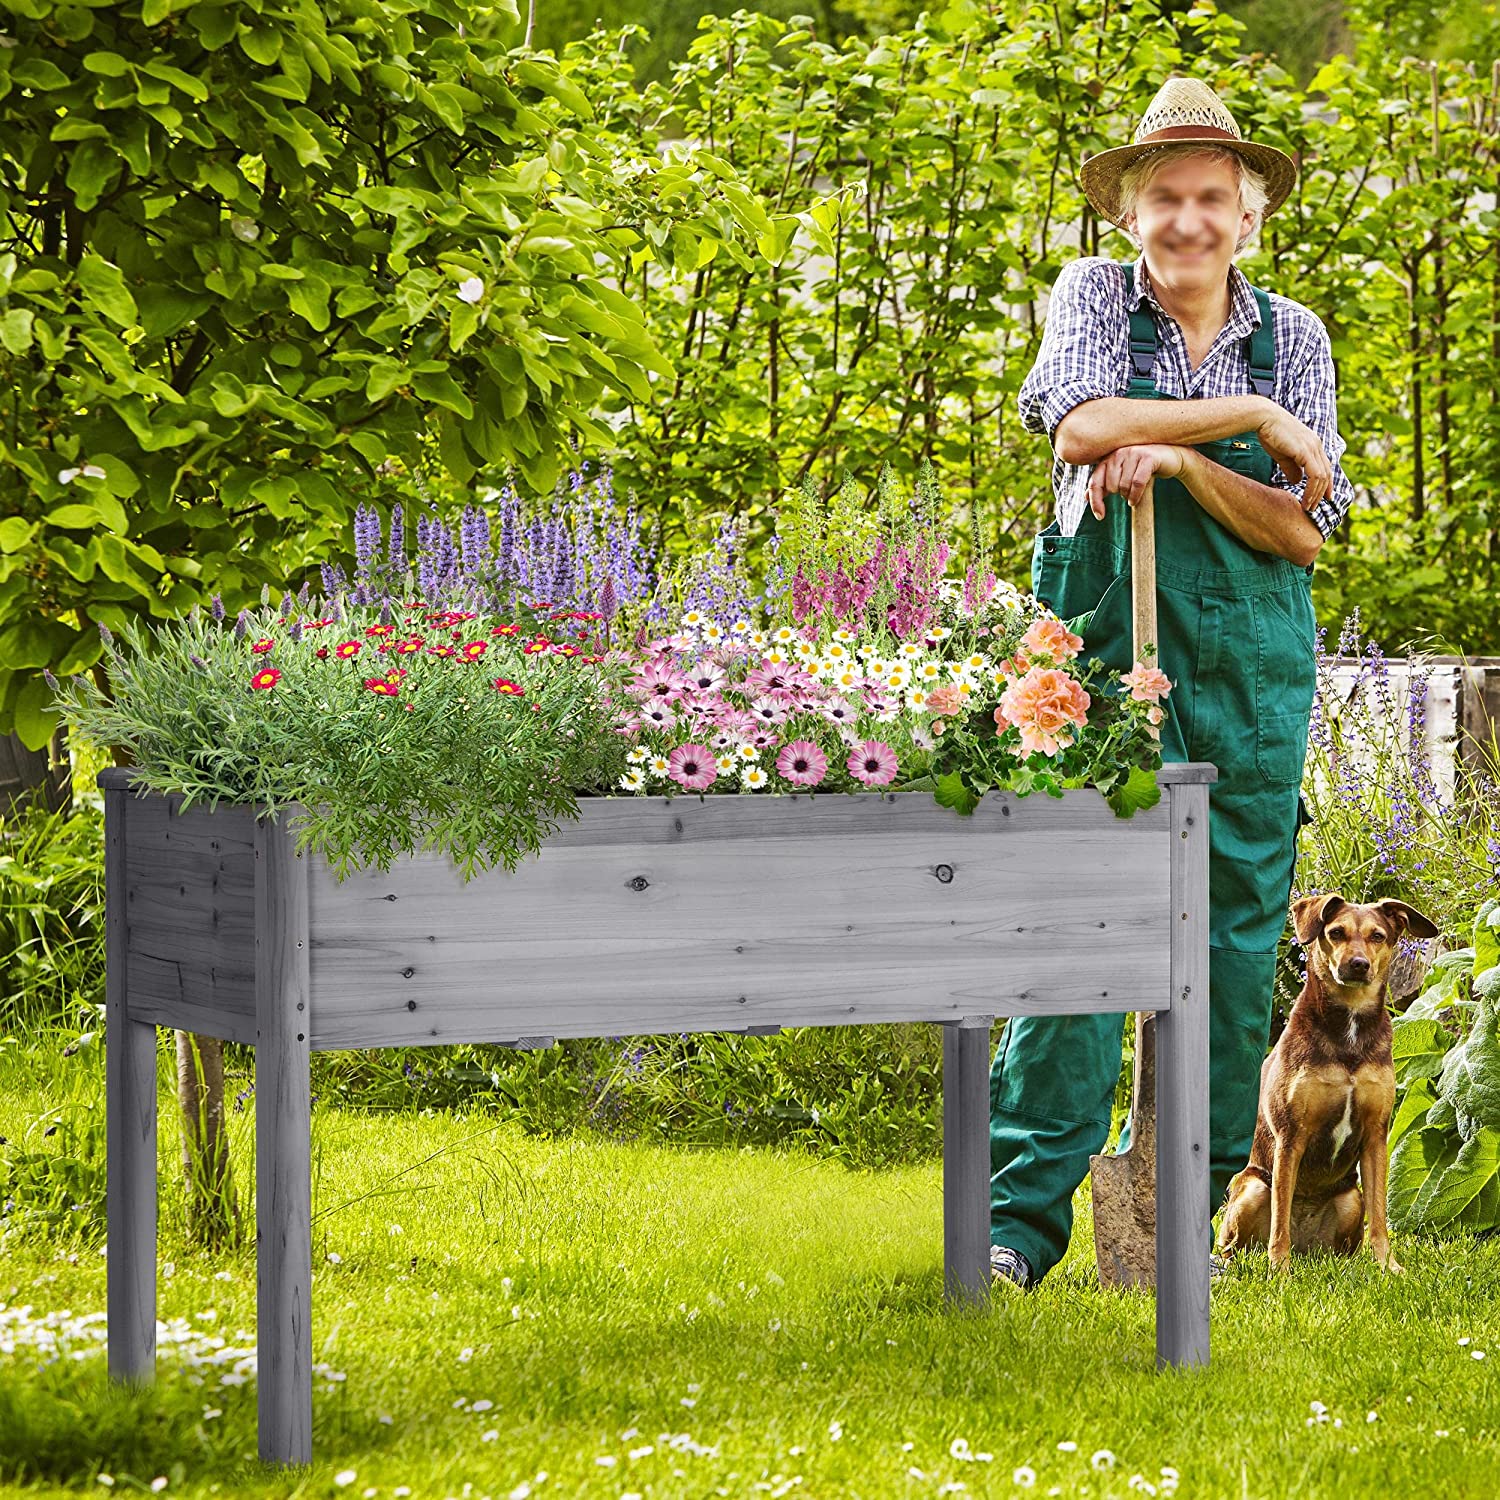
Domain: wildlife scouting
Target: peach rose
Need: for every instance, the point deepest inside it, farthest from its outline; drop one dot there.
(945, 699)
(1046, 705)
(1146, 684)
(1052, 639)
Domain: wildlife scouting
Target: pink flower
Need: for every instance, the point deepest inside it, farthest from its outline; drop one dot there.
(1046, 705)
(659, 680)
(1053, 639)
(655, 712)
(769, 710)
(872, 762)
(802, 763)
(945, 699)
(692, 766)
(1146, 684)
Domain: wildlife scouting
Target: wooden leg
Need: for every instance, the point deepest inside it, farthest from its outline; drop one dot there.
(130, 1135)
(1183, 1212)
(966, 1159)
(283, 1151)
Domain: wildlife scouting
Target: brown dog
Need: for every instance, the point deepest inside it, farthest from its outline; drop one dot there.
(1326, 1093)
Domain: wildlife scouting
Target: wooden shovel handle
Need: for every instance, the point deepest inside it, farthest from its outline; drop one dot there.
(1143, 580)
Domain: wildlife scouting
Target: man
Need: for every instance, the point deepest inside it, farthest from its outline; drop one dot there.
(1173, 375)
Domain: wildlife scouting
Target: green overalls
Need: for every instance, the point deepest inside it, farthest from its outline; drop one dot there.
(1236, 636)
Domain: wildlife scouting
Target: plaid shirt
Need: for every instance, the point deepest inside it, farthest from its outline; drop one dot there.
(1085, 354)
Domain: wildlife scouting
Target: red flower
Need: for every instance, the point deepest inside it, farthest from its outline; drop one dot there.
(567, 651)
(381, 686)
(474, 650)
(443, 650)
(380, 630)
(505, 685)
(506, 630)
(261, 646)
(267, 677)
(322, 651)
(346, 649)
(395, 674)
(407, 646)
(541, 643)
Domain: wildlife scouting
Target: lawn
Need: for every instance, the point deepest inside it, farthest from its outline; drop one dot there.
(500, 1315)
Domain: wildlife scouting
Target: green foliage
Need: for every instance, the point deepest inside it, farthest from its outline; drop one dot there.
(435, 757)
(1445, 1162)
(258, 265)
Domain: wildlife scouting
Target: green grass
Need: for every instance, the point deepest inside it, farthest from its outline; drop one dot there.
(590, 1291)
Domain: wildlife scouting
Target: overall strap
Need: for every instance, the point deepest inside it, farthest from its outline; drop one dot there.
(1259, 344)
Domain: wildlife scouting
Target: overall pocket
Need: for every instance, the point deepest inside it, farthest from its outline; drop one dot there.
(1287, 679)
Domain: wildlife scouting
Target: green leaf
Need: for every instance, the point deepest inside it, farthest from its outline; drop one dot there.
(1418, 1046)
(539, 76)
(74, 516)
(440, 387)
(15, 329)
(35, 719)
(15, 533)
(953, 791)
(1449, 1193)
(1138, 792)
(104, 285)
(1411, 1112)
(38, 73)
(1422, 1152)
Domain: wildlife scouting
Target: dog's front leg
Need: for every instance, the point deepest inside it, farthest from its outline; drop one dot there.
(1374, 1163)
(1286, 1161)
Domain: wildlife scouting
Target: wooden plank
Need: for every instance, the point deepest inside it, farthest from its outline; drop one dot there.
(796, 916)
(283, 1162)
(130, 1131)
(966, 1159)
(1183, 1211)
(190, 894)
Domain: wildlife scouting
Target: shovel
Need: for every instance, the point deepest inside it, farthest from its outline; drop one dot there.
(1124, 1185)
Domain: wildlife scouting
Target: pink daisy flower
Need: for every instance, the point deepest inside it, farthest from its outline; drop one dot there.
(872, 762)
(802, 763)
(692, 766)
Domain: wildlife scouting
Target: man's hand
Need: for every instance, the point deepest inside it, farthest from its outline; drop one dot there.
(1297, 450)
(1131, 471)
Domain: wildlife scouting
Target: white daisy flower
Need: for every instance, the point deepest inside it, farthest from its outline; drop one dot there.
(938, 632)
(637, 755)
(633, 780)
(725, 763)
(977, 662)
(879, 667)
(997, 677)
(784, 635)
(837, 651)
(911, 650)
(758, 640)
(775, 657)
(712, 631)
(917, 699)
(847, 678)
(660, 765)
(748, 752)
(897, 679)
(740, 627)
(753, 777)
(805, 650)
(930, 671)
(693, 619)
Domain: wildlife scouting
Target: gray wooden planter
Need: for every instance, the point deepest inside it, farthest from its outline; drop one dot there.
(718, 914)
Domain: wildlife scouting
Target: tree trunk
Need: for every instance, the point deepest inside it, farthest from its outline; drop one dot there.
(43, 776)
(213, 1209)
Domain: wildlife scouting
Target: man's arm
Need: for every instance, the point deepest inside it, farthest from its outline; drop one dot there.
(1262, 516)
(1093, 429)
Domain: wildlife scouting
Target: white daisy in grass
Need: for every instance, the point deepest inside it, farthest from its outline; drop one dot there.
(758, 640)
(996, 676)
(633, 780)
(753, 777)
(740, 627)
(659, 765)
(693, 619)
(837, 651)
(929, 671)
(916, 700)
(712, 631)
(847, 678)
(776, 657)
(977, 662)
(637, 755)
(878, 666)
(965, 690)
(805, 650)
(958, 671)
(897, 678)
(725, 763)
(748, 753)
(938, 632)
(783, 635)
(911, 650)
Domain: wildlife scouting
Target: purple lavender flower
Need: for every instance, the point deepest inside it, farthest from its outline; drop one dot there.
(294, 630)
(216, 608)
(607, 604)
(198, 662)
(104, 634)
(284, 609)
(49, 679)
(241, 624)
(366, 538)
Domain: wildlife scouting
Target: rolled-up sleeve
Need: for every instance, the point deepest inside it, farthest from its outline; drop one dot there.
(1311, 396)
(1082, 349)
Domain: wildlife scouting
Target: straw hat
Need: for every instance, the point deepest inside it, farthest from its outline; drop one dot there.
(1185, 109)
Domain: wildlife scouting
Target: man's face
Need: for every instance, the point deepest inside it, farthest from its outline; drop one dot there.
(1188, 220)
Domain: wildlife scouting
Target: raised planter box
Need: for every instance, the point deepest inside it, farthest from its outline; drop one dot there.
(724, 913)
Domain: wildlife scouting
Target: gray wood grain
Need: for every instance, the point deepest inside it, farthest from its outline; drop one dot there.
(130, 1131)
(966, 1159)
(283, 1161)
(1183, 1211)
(782, 911)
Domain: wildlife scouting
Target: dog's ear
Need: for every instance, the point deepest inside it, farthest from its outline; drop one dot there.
(1415, 923)
(1310, 913)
